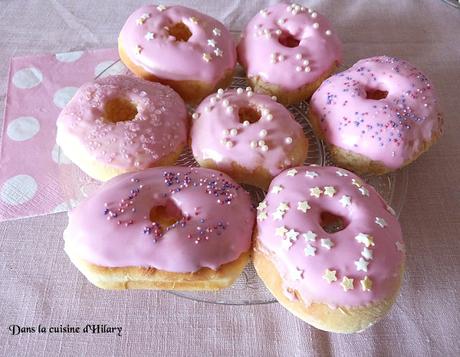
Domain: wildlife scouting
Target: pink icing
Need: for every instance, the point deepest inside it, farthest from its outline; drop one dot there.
(304, 272)
(158, 129)
(390, 130)
(216, 229)
(166, 58)
(261, 53)
(217, 133)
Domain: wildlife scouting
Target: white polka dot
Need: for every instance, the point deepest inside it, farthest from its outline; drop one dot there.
(58, 156)
(69, 56)
(109, 68)
(18, 189)
(63, 96)
(23, 128)
(27, 78)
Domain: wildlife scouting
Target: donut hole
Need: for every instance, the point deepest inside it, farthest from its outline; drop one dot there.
(119, 109)
(249, 114)
(376, 94)
(288, 40)
(180, 31)
(165, 215)
(332, 223)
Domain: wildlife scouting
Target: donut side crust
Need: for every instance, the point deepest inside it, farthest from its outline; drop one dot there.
(122, 278)
(193, 92)
(321, 316)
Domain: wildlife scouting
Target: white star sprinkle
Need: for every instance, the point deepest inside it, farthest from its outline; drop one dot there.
(211, 43)
(391, 210)
(365, 239)
(216, 32)
(262, 216)
(292, 172)
(400, 246)
(329, 191)
(277, 189)
(278, 215)
(327, 243)
(193, 20)
(345, 201)
(283, 206)
(297, 274)
(140, 21)
(138, 49)
(367, 253)
(292, 234)
(281, 231)
(262, 205)
(381, 222)
(315, 192)
(341, 173)
(356, 182)
(361, 264)
(218, 52)
(311, 174)
(286, 244)
(309, 236)
(303, 206)
(207, 57)
(161, 8)
(310, 251)
(364, 191)
(149, 36)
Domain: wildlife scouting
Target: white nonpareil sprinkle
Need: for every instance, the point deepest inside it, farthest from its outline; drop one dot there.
(234, 132)
(229, 144)
(246, 123)
(288, 140)
(239, 91)
(195, 116)
(229, 110)
(225, 132)
(316, 25)
(269, 117)
(328, 32)
(253, 144)
(263, 133)
(225, 103)
(264, 148)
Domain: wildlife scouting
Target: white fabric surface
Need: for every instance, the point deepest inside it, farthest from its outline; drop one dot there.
(40, 285)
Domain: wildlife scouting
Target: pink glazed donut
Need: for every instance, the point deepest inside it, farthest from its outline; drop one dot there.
(183, 48)
(377, 116)
(174, 228)
(342, 279)
(288, 50)
(120, 124)
(249, 136)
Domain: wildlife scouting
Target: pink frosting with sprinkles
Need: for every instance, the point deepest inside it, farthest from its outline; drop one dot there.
(262, 54)
(368, 250)
(208, 53)
(217, 133)
(158, 129)
(112, 227)
(390, 130)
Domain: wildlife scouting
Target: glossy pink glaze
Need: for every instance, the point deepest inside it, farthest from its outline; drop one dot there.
(217, 231)
(158, 129)
(390, 130)
(218, 135)
(387, 257)
(166, 58)
(259, 50)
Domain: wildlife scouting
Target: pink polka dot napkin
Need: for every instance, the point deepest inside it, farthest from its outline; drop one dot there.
(34, 175)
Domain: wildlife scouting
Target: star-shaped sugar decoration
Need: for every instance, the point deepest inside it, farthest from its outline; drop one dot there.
(309, 250)
(262, 216)
(216, 32)
(149, 36)
(283, 206)
(341, 173)
(262, 205)
(292, 172)
(315, 192)
(311, 174)
(309, 236)
(345, 201)
(278, 215)
(161, 8)
(207, 57)
(381, 222)
(286, 244)
(212, 42)
(330, 276)
(329, 191)
(281, 231)
(277, 189)
(297, 274)
(327, 243)
(193, 20)
(361, 264)
(138, 49)
(364, 191)
(218, 52)
(391, 210)
(303, 206)
(347, 283)
(367, 253)
(292, 234)
(366, 284)
(365, 239)
(400, 246)
(140, 21)
(356, 182)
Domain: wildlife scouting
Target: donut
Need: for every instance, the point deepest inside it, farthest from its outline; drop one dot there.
(180, 47)
(249, 136)
(376, 116)
(287, 50)
(329, 248)
(121, 124)
(174, 228)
